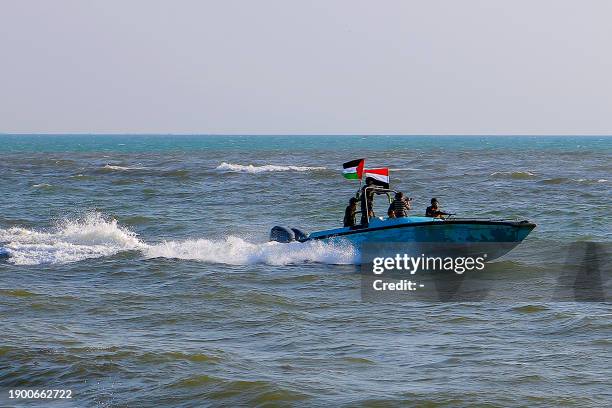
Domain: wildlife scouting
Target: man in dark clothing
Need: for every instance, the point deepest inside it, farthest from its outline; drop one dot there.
(367, 200)
(400, 206)
(434, 210)
(349, 213)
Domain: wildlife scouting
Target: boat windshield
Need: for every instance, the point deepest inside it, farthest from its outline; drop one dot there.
(382, 198)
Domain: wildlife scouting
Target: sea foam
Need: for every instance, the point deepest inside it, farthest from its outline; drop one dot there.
(96, 236)
(90, 236)
(240, 168)
(236, 251)
(116, 167)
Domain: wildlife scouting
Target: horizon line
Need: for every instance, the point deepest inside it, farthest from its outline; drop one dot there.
(303, 134)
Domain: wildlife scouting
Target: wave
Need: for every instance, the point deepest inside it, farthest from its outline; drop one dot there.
(514, 175)
(563, 180)
(91, 236)
(43, 186)
(556, 180)
(94, 236)
(114, 167)
(527, 175)
(81, 177)
(239, 168)
(236, 251)
(582, 180)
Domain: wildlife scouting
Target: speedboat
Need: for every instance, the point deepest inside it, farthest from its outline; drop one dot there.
(495, 237)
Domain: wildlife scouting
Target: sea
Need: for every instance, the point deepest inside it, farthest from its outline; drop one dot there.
(137, 272)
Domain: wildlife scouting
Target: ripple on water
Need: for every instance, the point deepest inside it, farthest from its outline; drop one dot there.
(136, 220)
(82, 177)
(170, 356)
(240, 392)
(17, 293)
(358, 360)
(530, 308)
(514, 175)
(127, 181)
(556, 180)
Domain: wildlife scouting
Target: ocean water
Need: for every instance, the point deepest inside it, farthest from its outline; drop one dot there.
(140, 273)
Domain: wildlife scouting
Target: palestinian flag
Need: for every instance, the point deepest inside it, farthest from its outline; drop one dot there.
(380, 176)
(353, 170)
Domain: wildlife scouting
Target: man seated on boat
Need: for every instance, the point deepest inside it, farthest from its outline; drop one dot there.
(434, 210)
(349, 213)
(400, 206)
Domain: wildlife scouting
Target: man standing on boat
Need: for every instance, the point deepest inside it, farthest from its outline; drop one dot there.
(400, 206)
(349, 213)
(367, 200)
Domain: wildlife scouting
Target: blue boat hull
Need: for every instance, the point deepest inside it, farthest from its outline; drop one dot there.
(493, 237)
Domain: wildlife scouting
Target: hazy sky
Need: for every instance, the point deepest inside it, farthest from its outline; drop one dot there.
(329, 66)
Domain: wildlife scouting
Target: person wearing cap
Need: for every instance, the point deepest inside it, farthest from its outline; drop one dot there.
(349, 213)
(400, 206)
(434, 210)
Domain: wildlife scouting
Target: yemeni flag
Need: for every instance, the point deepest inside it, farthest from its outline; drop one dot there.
(380, 176)
(353, 170)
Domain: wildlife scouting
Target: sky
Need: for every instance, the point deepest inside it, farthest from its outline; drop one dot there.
(306, 67)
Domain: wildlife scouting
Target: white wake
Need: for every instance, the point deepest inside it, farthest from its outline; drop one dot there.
(236, 251)
(90, 236)
(96, 236)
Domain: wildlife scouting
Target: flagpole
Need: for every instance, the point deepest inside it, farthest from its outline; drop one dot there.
(361, 179)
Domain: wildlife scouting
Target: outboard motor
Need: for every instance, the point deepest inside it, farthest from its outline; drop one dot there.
(282, 234)
(299, 234)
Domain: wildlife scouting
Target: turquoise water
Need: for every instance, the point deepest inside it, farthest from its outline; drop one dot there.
(289, 143)
(139, 273)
